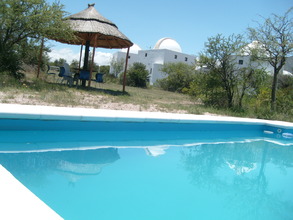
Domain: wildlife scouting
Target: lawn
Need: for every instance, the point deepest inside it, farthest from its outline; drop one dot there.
(105, 96)
(47, 91)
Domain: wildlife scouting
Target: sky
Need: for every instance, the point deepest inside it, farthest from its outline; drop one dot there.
(189, 22)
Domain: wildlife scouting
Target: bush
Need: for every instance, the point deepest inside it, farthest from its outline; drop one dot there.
(260, 104)
(136, 76)
(7, 80)
(10, 63)
(207, 87)
(179, 77)
(110, 78)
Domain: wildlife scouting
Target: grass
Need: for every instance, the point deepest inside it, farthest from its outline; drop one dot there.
(109, 96)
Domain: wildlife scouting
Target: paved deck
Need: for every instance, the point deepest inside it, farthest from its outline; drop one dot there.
(84, 114)
(17, 202)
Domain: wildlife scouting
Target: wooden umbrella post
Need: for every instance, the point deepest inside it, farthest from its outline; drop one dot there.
(86, 61)
(125, 70)
(93, 60)
(80, 58)
(91, 69)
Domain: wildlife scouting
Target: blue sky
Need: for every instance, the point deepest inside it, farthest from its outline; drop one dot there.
(189, 22)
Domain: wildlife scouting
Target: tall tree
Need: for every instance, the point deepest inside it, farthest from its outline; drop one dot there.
(137, 75)
(117, 66)
(275, 39)
(23, 20)
(220, 58)
(105, 69)
(178, 77)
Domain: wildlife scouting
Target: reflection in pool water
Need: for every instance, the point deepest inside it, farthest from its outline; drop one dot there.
(216, 180)
(121, 170)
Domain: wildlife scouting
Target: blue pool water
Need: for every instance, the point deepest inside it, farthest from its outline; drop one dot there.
(119, 170)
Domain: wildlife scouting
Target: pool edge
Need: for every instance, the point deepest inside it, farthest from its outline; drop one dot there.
(38, 112)
(18, 202)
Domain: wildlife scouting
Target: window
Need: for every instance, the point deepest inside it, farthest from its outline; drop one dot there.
(146, 54)
(175, 57)
(186, 59)
(240, 62)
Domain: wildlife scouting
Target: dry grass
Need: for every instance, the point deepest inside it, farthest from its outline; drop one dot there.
(46, 91)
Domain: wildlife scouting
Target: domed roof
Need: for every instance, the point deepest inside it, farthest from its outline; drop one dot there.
(169, 44)
(133, 49)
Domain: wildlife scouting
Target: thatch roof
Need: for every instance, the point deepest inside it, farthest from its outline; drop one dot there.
(90, 24)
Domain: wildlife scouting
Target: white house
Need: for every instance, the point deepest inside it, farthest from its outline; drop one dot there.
(166, 50)
(244, 61)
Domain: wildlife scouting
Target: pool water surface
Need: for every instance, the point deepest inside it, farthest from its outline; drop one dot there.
(250, 180)
(122, 170)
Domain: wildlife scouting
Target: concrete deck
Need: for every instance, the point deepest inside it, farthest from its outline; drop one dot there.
(17, 202)
(15, 111)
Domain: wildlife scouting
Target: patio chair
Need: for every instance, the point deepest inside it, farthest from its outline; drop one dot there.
(99, 78)
(67, 75)
(61, 73)
(84, 75)
(53, 71)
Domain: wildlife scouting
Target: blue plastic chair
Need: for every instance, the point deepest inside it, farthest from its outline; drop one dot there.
(53, 71)
(84, 75)
(61, 72)
(99, 78)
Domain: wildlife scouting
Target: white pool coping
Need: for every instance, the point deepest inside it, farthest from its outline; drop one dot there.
(17, 202)
(16, 111)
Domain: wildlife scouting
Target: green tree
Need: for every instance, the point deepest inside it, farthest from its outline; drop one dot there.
(137, 75)
(105, 69)
(74, 64)
(117, 66)
(206, 87)
(275, 40)
(220, 57)
(22, 21)
(94, 64)
(250, 81)
(178, 77)
(285, 95)
(58, 62)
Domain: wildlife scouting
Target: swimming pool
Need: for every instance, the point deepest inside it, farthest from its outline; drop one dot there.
(152, 168)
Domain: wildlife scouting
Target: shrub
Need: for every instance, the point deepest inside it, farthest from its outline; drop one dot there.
(179, 77)
(136, 76)
(207, 87)
(10, 63)
(110, 78)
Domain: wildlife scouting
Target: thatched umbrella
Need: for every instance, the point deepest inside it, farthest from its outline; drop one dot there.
(92, 29)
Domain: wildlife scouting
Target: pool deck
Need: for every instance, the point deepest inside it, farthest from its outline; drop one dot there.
(15, 111)
(17, 202)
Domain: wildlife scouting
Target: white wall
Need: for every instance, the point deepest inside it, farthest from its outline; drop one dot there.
(132, 58)
(154, 60)
(263, 64)
(156, 73)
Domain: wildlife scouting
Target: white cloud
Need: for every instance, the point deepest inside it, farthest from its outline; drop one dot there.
(101, 58)
(64, 53)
